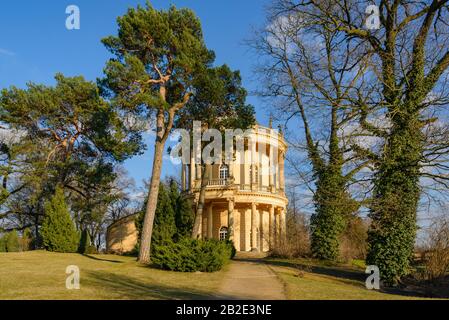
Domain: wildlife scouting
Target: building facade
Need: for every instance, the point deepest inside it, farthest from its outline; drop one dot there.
(121, 236)
(244, 199)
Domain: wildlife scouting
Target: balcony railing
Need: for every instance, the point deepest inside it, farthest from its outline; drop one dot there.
(241, 187)
(264, 130)
(218, 182)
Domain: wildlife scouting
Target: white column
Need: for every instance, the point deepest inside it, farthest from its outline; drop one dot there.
(272, 228)
(253, 162)
(253, 227)
(277, 227)
(262, 231)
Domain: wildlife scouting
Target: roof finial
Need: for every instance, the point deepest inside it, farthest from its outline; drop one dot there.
(280, 129)
(270, 123)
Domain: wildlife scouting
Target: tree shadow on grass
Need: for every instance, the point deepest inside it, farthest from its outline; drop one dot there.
(333, 271)
(99, 259)
(131, 288)
(347, 275)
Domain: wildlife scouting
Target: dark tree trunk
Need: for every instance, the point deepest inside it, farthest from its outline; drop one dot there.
(200, 206)
(147, 228)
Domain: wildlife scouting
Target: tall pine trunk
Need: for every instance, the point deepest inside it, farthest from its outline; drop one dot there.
(147, 228)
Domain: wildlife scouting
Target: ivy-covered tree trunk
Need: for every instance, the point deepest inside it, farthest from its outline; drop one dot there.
(332, 202)
(329, 219)
(307, 82)
(391, 237)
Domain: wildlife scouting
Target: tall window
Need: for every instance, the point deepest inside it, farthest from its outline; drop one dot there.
(254, 175)
(224, 172)
(223, 233)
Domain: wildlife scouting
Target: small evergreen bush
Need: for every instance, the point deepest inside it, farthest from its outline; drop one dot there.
(91, 249)
(173, 218)
(26, 240)
(85, 245)
(190, 255)
(3, 243)
(58, 231)
(12, 242)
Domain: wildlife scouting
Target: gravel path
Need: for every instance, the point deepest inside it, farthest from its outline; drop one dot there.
(251, 279)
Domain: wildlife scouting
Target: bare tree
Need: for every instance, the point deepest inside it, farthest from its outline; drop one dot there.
(312, 76)
(408, 61)
(437, 249)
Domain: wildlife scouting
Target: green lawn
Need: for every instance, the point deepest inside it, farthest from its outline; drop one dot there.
(307, 279)
(41, 275)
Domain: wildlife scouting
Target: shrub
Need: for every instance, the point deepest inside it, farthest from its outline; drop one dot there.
(91, 249)
(297, 241)
(436, 258)
(173, 217)
(233, 249)
(12, 242)
(85, 244)
(353, 242)
(285, 249)
(58, 231)
(3, 243)
(164, 226)
(184, 215)
(190, 255)
(26, 240)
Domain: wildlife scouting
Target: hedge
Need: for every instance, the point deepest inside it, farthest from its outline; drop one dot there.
(190, 255)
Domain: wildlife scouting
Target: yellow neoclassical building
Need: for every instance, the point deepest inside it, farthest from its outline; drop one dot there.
(245, 200)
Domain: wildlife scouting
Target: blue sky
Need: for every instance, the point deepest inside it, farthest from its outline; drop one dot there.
(35, 44)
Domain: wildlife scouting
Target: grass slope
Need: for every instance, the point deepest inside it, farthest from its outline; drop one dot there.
(41, 275)
(307, 279)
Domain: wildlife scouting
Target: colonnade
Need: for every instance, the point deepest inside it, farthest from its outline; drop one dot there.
(262, 236)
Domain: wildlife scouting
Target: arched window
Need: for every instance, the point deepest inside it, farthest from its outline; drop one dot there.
(224, 172)
(223, 233)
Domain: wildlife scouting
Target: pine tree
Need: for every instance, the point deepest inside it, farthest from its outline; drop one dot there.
(164, 225)
(164, 222)
(158, 54)
(184, 215)
(84, 245)
(12, 242)
(174, 215)
(58, 230)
